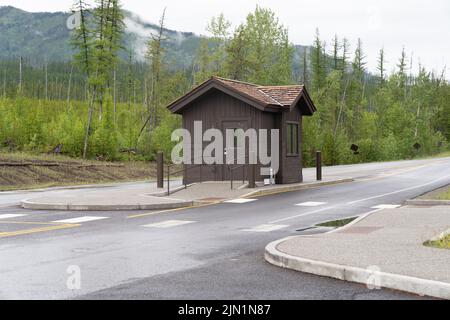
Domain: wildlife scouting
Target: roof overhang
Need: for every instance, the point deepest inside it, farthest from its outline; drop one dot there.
(308, 108)
(303, 100)
(178, 105)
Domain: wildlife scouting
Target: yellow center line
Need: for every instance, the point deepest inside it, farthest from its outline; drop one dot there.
(29, 223)
(37, 230)
(171, 210)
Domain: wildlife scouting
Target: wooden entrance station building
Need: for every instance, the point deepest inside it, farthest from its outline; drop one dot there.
(228, 104)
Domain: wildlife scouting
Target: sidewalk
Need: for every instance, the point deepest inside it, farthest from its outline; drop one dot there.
(148, 197)
(127, 197)
(384, 249)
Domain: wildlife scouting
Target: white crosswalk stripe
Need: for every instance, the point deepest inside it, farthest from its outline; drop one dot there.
(168, 224)
(266, 228)
(9, 216)
(240, 201)
(386, 206)
(81, 219)
(310, 204)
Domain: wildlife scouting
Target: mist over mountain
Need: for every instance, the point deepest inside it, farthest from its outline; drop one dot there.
(44, 35)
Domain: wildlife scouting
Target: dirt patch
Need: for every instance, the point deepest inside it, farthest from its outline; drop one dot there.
(19, 171)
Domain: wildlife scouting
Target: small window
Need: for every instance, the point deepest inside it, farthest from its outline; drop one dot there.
(292, 139)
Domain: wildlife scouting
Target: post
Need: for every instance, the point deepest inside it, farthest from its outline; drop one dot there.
(160, 169)
(252, 176)
(319, 165)
(168, 179)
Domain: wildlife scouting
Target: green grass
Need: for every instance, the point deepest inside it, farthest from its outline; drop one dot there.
(439, 194)
(443, 243)
(445, 195)
(336, 223)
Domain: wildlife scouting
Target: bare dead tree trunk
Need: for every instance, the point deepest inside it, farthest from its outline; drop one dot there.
(88, 127)
(417, 121)
(20, 73)
(114, 94)
(46, 79)
(69, 88)
(341, 107)
(4, 83)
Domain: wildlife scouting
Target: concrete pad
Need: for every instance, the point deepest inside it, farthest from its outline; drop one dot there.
(384, 249)
(132, 198)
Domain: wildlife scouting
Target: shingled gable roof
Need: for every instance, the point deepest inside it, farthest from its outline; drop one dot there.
(265, 98)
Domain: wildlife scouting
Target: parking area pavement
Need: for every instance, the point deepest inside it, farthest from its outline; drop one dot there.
(385, 248)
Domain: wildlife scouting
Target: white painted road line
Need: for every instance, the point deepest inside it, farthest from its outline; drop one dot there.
(81, 219)
(266, 228)
(311, 204)
(400, 191)
(9, 216)
(387, 206)
(302, 215)
(168, 224)
(240, 201)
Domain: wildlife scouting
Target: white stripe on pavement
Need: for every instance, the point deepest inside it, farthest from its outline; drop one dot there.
(310, 204)
(240, 201)
(399, 191)
(81, 219)
(302, 214)
(9, 216)
(266, 228)
(387, 206)
(168, 224)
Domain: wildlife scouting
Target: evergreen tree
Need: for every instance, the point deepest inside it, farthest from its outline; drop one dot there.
(237, 64)
(82, 39)
(318, 63)
(335, 52)
(381, 66)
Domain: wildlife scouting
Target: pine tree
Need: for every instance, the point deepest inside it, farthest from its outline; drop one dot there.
(269, 51)
(218, 27)
(236, 64)
(381, 66)
(335, 53)
(359, 61)
(345, 53)
(318, 63)
(155, 52)
(82, 39)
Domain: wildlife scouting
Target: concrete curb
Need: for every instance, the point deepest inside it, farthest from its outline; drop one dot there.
(296, 187)
(28, 204)
(425, 202)
(409, 284)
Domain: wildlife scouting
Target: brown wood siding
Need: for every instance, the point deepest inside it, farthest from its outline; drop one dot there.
(290, 166)
(213, 109)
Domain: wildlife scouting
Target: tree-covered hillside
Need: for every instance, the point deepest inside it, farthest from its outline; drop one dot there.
(107, 98)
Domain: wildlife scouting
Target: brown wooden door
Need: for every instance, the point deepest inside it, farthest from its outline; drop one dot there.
(238, 173)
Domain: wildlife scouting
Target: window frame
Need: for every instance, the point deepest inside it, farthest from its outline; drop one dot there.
(292, 149)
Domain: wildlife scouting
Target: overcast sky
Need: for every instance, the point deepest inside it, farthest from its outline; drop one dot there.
(422, 27)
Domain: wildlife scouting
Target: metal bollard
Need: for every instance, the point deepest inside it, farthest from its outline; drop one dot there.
(252, 176)
(319, 165)
(160, 170)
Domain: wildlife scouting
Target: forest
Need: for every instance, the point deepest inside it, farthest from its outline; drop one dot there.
(103, 106)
